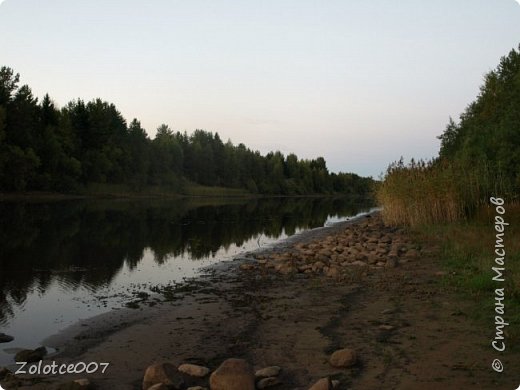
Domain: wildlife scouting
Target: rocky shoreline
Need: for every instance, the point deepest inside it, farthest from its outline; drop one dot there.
(368, 243)
(357, 305)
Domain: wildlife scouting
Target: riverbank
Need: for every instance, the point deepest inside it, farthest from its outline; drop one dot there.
(113, 191)
(386, 300)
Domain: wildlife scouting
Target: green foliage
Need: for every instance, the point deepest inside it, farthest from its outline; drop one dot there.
(85, 144)
(22, 161)
(488, 132)
(8, 84)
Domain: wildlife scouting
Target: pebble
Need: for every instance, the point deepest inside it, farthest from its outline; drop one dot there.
(343, 358)
(268, 372)
(194, 370)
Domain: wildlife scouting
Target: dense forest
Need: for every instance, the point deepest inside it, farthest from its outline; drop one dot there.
(488, 131)
(479, 157)
(44, 148)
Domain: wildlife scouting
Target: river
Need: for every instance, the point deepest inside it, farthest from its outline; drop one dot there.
(63, 261)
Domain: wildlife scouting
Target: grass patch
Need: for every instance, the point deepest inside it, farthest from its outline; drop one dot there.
(467, 255)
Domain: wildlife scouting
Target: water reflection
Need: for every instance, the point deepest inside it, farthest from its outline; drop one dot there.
(80, 248)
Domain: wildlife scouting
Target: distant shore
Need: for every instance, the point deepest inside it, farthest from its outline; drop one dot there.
(57, 196)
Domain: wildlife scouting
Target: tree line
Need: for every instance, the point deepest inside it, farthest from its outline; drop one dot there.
(488, 131)
(45, 148)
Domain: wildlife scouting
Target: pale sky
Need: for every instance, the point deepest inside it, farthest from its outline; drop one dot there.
(358, 82)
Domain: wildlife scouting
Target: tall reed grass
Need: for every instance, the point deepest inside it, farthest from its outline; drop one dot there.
(426, 192)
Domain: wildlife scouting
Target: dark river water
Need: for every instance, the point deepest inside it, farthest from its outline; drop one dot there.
(68, 260)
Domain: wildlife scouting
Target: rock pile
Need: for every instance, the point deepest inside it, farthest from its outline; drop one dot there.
(235, 374)
(366, 244)
(232, 374)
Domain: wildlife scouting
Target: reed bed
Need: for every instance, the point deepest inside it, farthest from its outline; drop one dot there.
(427, 192)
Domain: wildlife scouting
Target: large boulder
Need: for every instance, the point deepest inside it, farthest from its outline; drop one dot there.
(164, 373)
(233, 374)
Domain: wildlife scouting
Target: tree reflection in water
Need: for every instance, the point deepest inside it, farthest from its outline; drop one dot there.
(85, 243)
